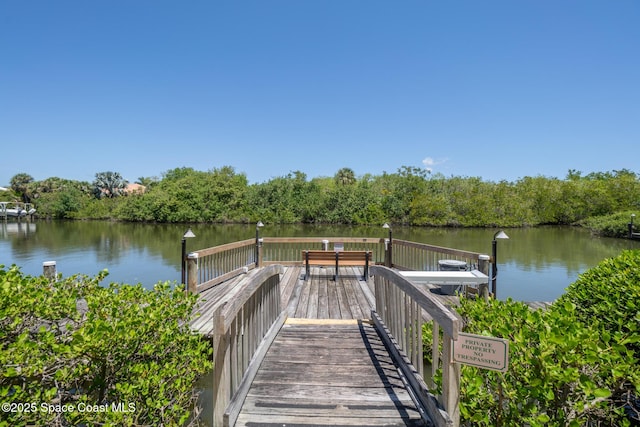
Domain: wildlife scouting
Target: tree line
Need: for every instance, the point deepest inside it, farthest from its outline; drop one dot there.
(409, 196)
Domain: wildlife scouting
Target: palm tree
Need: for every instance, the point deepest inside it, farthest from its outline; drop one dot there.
(19, 184)
(345, 176)
(109, 184)
(147, 181)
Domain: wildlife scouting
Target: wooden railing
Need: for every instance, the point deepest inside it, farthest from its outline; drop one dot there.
(208, 267)
(288, 250)
(399, 318)
(244, 328)
(423, 257)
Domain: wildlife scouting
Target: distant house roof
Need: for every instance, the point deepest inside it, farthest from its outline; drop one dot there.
(135, 188)
(4, 189)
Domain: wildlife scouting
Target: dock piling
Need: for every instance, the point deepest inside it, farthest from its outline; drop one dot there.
(49, 270)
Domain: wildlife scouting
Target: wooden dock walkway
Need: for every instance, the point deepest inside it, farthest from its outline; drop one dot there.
(328, 373)
(325, 351)
(320, 297)
(328, 364)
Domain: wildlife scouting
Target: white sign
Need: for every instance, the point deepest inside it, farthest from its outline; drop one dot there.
(482, 352)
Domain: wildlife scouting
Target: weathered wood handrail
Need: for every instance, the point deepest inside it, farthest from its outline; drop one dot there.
(398, 315)
(244, 328)
(209, 267)
(286, 250)
(423, 257)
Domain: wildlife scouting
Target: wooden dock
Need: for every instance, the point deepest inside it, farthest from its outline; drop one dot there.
(327, 348)
(320, 297)
(328, 364)
(328, 373)
(319, 350)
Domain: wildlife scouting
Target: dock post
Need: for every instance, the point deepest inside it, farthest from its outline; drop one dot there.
(483, 266)
(259, 257)
(451, 374)
(49, 270)
(192, 273)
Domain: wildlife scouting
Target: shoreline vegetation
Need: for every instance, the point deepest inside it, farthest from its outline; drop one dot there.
(600, 201)
(127, 354)
(116, 348)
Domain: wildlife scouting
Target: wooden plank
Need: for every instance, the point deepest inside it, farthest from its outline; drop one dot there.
(337, 259)
(203, 287)
(310, 419)
(342, 302)
(287, 284)
(210, 300)
(336, 408)
(318, 240)
(333, 304)
(437, 249)
(294, 300)
(328, 374)
(303, 302)
(312, 307)
(323, 299)
(368, 294)
(352, 300)
(363, 302)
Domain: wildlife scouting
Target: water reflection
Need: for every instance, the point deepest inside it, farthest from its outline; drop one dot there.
(535, 263)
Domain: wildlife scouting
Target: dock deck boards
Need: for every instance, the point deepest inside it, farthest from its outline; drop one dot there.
(328, 374)
(319, 297)
(327, 365)
(213, 298)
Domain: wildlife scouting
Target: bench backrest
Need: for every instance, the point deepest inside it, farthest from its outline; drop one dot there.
(319, 255)
(331, 255)
(354, 255)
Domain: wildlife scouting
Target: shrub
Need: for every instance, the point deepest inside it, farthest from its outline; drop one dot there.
(614, 225)
(608, 297)
(82, 354)
(574, 364)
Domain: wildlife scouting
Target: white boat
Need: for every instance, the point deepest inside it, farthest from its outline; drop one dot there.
(16, 209)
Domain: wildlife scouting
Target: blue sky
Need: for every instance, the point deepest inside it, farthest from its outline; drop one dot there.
(495, 89)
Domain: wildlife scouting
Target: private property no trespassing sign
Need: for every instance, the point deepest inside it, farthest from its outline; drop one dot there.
(482, 352)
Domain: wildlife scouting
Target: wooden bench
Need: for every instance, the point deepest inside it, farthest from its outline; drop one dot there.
(337, 259)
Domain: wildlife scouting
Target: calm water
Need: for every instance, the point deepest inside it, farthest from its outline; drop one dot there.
(535, 264)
